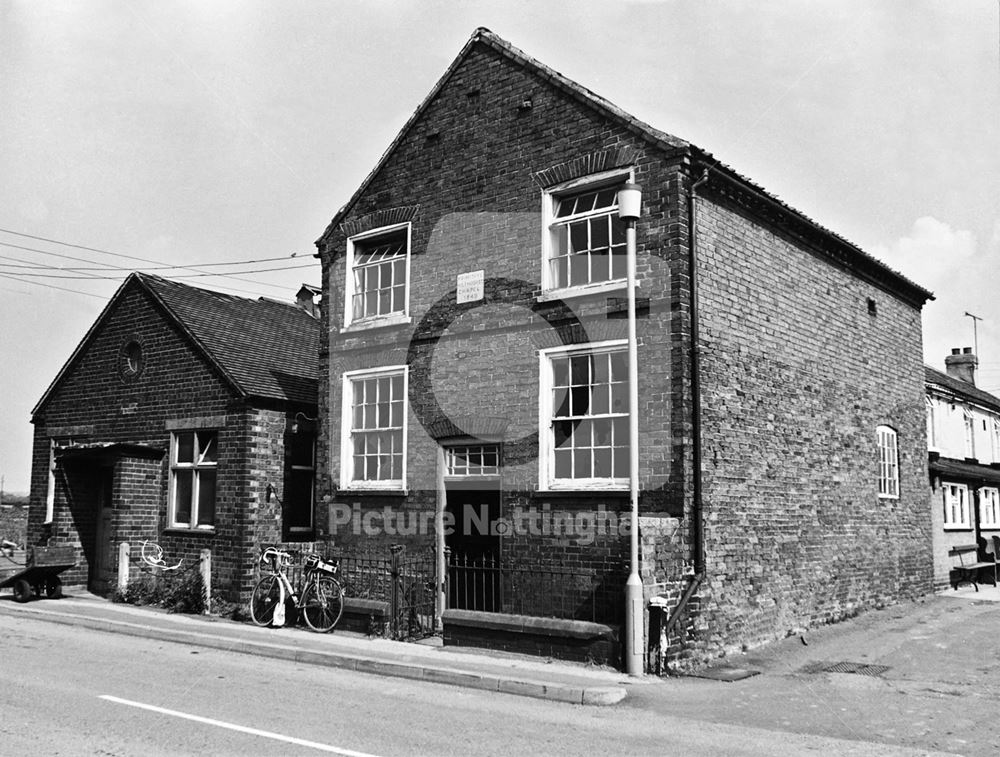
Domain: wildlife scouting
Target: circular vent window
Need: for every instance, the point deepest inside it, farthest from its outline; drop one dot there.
(131, 361)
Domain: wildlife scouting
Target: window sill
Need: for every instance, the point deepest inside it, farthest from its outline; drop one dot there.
(377, 323)
(957, 528)
(582, 291)
(372, 492)
(186, 531)
(578, 488)
(581, 493)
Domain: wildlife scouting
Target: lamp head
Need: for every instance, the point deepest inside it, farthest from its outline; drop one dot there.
(629, 202)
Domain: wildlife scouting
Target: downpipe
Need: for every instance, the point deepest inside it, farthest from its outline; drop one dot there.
(697, 535)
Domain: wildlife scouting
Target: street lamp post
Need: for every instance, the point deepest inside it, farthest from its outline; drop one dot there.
(629, 205)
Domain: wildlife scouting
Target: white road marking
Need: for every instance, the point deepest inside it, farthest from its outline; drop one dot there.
(240, 728)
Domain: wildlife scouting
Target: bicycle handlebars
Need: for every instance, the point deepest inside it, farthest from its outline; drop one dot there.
(278, 559)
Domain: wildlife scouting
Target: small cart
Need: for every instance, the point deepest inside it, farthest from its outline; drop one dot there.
(38, 575)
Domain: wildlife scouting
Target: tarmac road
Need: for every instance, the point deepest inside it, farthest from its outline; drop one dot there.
(71, 691)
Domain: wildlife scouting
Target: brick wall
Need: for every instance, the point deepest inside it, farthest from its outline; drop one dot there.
(178, 389)
(797, 374)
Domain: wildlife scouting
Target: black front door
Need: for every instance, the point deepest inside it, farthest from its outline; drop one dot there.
(472, 511)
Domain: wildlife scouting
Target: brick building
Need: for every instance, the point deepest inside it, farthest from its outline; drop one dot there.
(963, 441)
(184, 417)
(475, 363)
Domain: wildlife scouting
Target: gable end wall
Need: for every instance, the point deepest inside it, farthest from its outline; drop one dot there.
(796, 375)
(177, 389)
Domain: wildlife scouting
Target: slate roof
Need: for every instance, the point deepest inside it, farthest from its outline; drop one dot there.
(263, 348)
(266, 348)
(960, 388)
(837, 248)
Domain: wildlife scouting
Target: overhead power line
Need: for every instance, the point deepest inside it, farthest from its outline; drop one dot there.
(46, 285)
(227, 287)
(54, 254)
(32, 266)
(104, 267)
(94, 277)
(195, 267)
(76, 246)
(51, 286)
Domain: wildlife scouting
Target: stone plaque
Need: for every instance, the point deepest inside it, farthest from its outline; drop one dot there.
(470, 287)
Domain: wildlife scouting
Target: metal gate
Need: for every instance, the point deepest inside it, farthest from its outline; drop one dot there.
(412, 604)
(405, 580)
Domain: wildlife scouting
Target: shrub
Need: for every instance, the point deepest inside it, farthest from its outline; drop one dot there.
(177, 593)
(223, 608)
(143, 590)
(187, 594)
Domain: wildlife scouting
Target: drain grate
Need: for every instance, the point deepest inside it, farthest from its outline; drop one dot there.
(857, 668)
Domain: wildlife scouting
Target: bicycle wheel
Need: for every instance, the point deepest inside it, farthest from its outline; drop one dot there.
(265, 597)
(322, 604)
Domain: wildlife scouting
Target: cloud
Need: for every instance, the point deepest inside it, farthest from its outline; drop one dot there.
(931, 251)
(33, 209)
(961, 272)
(159, 247)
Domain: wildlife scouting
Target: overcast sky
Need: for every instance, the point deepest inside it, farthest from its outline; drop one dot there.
(186, 133)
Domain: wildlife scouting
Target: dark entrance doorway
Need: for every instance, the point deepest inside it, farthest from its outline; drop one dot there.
(472, 511)
(102, 567)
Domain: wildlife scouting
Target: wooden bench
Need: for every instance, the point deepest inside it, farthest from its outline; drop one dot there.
(968, 566)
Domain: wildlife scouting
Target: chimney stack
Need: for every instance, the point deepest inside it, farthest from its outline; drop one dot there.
(308, 298)
(961, 364)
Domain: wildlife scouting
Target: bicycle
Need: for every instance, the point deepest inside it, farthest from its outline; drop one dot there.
(320, 599)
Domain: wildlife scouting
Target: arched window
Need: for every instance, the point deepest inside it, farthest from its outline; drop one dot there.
(888, 463)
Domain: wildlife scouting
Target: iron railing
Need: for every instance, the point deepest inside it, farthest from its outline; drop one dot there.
(407, 581)
(538, 589)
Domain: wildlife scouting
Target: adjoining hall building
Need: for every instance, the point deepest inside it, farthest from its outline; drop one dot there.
(474, 361)
(184, 417)
(963, 441)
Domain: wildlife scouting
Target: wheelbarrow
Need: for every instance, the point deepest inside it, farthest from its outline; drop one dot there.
(37, 576)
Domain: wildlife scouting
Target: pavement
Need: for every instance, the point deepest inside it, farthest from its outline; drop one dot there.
(478, 669)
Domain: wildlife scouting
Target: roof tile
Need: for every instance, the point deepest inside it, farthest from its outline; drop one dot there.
(268, 349)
